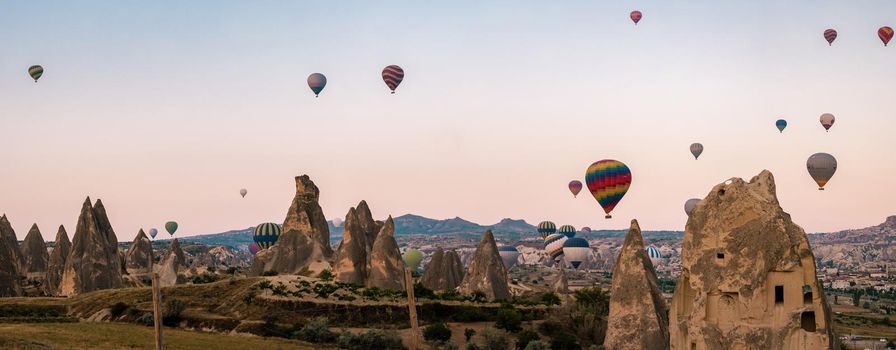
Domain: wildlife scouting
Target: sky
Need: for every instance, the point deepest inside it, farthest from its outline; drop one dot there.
(166, 109)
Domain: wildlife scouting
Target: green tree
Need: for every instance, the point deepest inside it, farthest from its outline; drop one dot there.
(509, 319)
(857, 297)
(525, 337)
(437, 332)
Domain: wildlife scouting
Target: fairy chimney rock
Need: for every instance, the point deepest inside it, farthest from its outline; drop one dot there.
(748, 275)
(34, 252)
(386, 265)
(62, 246)
(487, 273)
(139, 256)
(351, 257)
(9, 261)
(637, 317)
(93, 263)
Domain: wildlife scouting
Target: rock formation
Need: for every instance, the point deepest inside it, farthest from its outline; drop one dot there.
(93, 263)
(34, 252)
(61, 249)
(7, 233)
(486, 273)
(637, 317)
(444, 271)
(386, 266)
(561, 284)
(304, 245)
(351, 257)
(172, 264)
(9, 261)
(139, 256)
(370, 227)
(748, 276)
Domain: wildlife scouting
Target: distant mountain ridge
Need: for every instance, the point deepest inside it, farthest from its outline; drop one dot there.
(886, 231)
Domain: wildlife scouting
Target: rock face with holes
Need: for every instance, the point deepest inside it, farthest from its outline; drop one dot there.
(10, 260)
(93, 263)
(304, 244)
(637, 317)
(444, 272)
(62, 246)
(487, 273)
(748, 279)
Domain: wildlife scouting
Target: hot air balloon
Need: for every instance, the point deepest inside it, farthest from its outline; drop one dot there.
(393, 75)
(553, 245)
(153, 232)
(635, 16)
(171, 227)
(266, 234)
(690, 204)
(35, 72)
(827, 121)
(822, 167)
(243, 192)
(885, 34)
(509, 254)
(653, 254)
(586, 229)
(412, 258)
(317, 82)
(608, 180)
(576, 251)
(545, 228)
(253, 248)
(575, 186)
(781, 124)
(568, 230)
(696, 149)
(337, 222)
(830, 35)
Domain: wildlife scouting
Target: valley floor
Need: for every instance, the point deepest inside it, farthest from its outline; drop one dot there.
(105, 335)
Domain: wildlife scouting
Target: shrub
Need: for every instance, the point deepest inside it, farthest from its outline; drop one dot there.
(118, 309)
(146, 319)
(591, 297)
(550, 327)
(372, 339)
(537, 345)
(316, 331)
(280, 289)
(550, 298)
(249, 296)
(204, 278)
(469, 333)
(495, 339)
(525, 337)
(422, 292)
(326, 275)
(269, 273)
(264, 284)
(478, 297)
(509, 319)
(171, 313)
(231, 270)
(437, 332)
(565, 341)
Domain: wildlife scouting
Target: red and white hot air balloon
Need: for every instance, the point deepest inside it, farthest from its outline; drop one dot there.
(830, 35)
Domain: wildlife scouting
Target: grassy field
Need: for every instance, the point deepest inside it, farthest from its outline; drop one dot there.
(104, 335)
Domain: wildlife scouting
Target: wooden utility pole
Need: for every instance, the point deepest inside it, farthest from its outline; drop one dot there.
(157, 311)
(412, 309)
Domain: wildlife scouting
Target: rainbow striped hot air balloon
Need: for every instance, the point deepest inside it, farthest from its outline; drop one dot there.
(266, 235)
(568, 230)
(546, 228)
(392, 76)
(608, 180)
(553, 245)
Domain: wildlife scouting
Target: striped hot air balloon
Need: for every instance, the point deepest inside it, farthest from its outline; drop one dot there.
(636, 16)
(575, 186)
(393, 75)
(781, 124)
(568, 230)
(553, 245)
(266, 235)
(827, 121)
(608, 180)
(35, 72)
(822, 167)
(830, 35)
(317, 82)
(546, 228)
(696, 149)
(885, 34)
(576, 251)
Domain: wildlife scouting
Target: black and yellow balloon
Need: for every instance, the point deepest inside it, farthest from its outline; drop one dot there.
(266, 235)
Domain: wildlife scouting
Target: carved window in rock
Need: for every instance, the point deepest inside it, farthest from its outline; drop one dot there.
(779, 294)
(807, 321)
(807, 294)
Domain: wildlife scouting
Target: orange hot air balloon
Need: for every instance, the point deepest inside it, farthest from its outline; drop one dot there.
(885, 34)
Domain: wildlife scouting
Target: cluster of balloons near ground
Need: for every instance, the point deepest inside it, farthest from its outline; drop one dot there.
(885, 33)
(563, 244)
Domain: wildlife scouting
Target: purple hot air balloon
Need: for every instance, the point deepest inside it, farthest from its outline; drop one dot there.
(253, 248)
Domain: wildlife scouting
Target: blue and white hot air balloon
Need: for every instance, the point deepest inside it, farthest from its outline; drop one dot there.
(654, 254)
(509, 254)
(576, 251)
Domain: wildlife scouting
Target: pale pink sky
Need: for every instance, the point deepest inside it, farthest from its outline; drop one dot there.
(165, 114)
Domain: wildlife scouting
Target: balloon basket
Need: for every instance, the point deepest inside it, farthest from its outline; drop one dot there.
(821, 188)
(608, 217)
